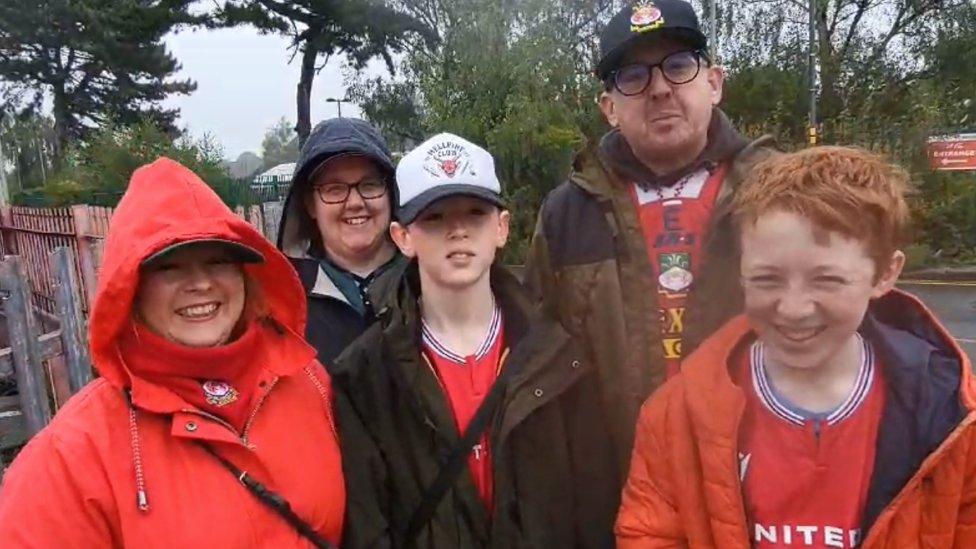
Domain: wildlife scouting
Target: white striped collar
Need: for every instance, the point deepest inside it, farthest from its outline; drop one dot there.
(442, 350)
(764, 389)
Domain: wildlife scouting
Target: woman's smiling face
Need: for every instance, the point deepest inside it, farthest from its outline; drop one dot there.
(194, 296)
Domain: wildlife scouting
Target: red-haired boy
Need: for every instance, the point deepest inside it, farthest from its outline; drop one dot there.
(837, 411)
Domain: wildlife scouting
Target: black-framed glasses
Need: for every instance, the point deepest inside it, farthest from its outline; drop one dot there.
(337, 193)
(677, 68)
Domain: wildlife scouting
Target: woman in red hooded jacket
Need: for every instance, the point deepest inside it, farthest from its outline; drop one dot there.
(211, 423)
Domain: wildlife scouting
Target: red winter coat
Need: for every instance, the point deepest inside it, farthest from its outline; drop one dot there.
(76, 483)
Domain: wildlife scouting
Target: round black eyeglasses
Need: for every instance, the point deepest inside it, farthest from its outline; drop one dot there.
(677, 68)
(337, 193)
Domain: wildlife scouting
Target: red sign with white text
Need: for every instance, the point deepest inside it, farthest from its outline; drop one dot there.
(953, 152)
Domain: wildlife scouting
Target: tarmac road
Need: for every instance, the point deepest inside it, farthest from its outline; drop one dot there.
(955, 305)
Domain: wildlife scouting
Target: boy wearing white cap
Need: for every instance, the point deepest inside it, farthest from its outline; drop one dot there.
(466, 419)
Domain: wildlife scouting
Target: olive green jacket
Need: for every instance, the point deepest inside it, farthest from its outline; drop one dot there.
(589, 265)
(552, 469)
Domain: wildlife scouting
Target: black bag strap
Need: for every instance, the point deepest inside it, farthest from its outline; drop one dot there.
(270, 499)
(457, 459)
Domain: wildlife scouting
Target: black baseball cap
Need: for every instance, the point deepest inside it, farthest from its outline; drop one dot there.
(239, 252)
(644, 20)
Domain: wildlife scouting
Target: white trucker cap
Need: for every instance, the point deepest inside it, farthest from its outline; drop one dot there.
(444, 165)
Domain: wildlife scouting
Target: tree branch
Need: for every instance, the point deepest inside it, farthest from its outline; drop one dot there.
(862, 8)
(287, 9)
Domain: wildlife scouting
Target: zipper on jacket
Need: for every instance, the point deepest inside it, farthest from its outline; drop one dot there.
(254, 412)
(917, 477)
(738, 480)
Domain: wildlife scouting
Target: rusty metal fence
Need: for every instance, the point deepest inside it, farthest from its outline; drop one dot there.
(33, 233)
(48, 269)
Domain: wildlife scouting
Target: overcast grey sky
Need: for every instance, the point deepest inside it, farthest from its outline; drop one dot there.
(244, 85)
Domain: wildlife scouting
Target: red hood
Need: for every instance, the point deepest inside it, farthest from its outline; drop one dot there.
(166, 203)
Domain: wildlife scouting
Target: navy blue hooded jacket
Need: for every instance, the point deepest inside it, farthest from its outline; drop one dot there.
(333, 321)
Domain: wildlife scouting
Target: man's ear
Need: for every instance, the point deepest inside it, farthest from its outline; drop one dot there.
(504, 222)
(401, 237)
(715, 75)
(607, 106)
(889, 276)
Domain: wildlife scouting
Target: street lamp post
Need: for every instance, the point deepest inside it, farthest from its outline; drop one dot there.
(713, 29)
(338, 103)
(812, 134)
(4, 194)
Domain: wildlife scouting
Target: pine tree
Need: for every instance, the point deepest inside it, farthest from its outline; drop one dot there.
(361, 29)
(96, 59)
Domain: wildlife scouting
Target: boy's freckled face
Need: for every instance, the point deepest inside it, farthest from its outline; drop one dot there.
(455, 240)
(806, 290)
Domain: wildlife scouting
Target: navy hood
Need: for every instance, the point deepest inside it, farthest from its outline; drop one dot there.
(329, 138)
(929, 391)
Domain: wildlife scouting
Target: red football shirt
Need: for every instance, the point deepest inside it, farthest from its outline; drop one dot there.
(674, 220)
(467, 380)
(805, 476)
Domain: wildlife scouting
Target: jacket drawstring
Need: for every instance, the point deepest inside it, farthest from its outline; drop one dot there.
(142, 496)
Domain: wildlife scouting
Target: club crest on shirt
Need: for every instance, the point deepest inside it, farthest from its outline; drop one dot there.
(744, 460)
(219, 393)
(675, 274)
(645, 16)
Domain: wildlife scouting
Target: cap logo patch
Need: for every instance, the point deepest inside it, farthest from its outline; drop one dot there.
(447, 160)
(449, 166)
(645, 17)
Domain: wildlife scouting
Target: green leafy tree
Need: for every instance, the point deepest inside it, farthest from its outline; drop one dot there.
(319, 29)
(27, 145)
(871, 57)
(890, 73)
(946, 103)
(96, 59)
(393, 107)
(280, 145)
(514, 77)
(98, 171)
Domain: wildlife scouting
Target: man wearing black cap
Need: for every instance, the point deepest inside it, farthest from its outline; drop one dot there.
(633, 252)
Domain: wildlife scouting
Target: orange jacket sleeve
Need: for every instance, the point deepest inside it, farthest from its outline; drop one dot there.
(966, 519)
(647, 517)
(53, 497)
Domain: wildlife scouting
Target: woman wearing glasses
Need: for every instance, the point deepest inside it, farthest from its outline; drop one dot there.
(335, 229)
